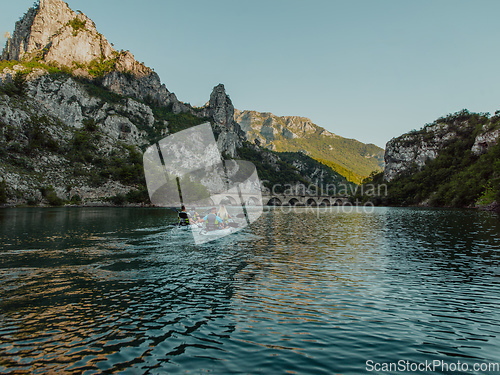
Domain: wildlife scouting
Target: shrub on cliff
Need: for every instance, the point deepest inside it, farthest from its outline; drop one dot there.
(3, 192)
(99, 68)
(118, 199)
(17, 87)
(38, 137)
(51, 197)
(77, 25)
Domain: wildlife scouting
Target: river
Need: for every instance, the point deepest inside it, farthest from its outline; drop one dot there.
(306, 291)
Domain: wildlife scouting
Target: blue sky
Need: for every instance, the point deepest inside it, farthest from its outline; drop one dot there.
(364, 69)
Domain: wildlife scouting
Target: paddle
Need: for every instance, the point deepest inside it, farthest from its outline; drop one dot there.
(240, 216)
(233, 225)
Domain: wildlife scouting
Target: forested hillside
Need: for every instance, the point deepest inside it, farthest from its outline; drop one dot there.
(453, 162)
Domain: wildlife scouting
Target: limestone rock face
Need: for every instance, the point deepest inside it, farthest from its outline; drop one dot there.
(400, 155)
(66, 100)
(485, 140)
(19, 43)
(83, 46)
(228, 142)
(221, 107)
(221, 110)
(300, 125)
(289, 134)
(54, 33)
(10, 114)
(125, 62)
(414, 149)
(144, 87)
(266, 127)
(268, 132)
(180, 107)
(60, 108)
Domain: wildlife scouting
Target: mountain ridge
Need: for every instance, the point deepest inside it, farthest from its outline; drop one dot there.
(72, 129)
(53, 34)
(349, 157)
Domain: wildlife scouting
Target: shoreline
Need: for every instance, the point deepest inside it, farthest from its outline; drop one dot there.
(493, 207)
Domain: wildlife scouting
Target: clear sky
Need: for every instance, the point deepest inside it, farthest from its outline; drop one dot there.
(364, 69)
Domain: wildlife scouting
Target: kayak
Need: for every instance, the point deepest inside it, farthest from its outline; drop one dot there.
(216, 233)
(202, 235)
(193, 227)
(196, 227)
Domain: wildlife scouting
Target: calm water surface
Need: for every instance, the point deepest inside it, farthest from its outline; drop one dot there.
(104, 290)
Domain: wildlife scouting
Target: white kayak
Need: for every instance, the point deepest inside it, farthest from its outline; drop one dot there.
(196, 227)
(199, 231)
(216, 233)
(193, 227)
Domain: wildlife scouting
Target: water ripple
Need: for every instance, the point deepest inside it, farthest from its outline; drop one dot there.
(106, 291)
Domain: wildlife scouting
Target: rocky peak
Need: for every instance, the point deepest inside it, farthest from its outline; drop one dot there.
(34, 30)
(266, 127)
(52, 32)
(52, 16)
(301, 125)
(221, 107)
(221, 110)
(17, 45)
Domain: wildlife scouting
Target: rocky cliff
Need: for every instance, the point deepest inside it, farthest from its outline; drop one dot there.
(65, 139)
(75, 116)
(53, 34)
(265, 127)
(413, 150)
(452, 162)
(348, 157)
(221, 110)
(79, 122)
(57, 137)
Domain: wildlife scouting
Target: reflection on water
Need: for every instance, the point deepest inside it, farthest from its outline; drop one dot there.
(303, 291)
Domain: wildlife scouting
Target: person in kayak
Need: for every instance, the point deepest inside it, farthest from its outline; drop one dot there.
(213, 222)
(184, 217)
(224, 215)
(195, 216)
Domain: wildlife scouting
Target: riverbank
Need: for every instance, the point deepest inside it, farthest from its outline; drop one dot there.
(86, 205)
(492, 207)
